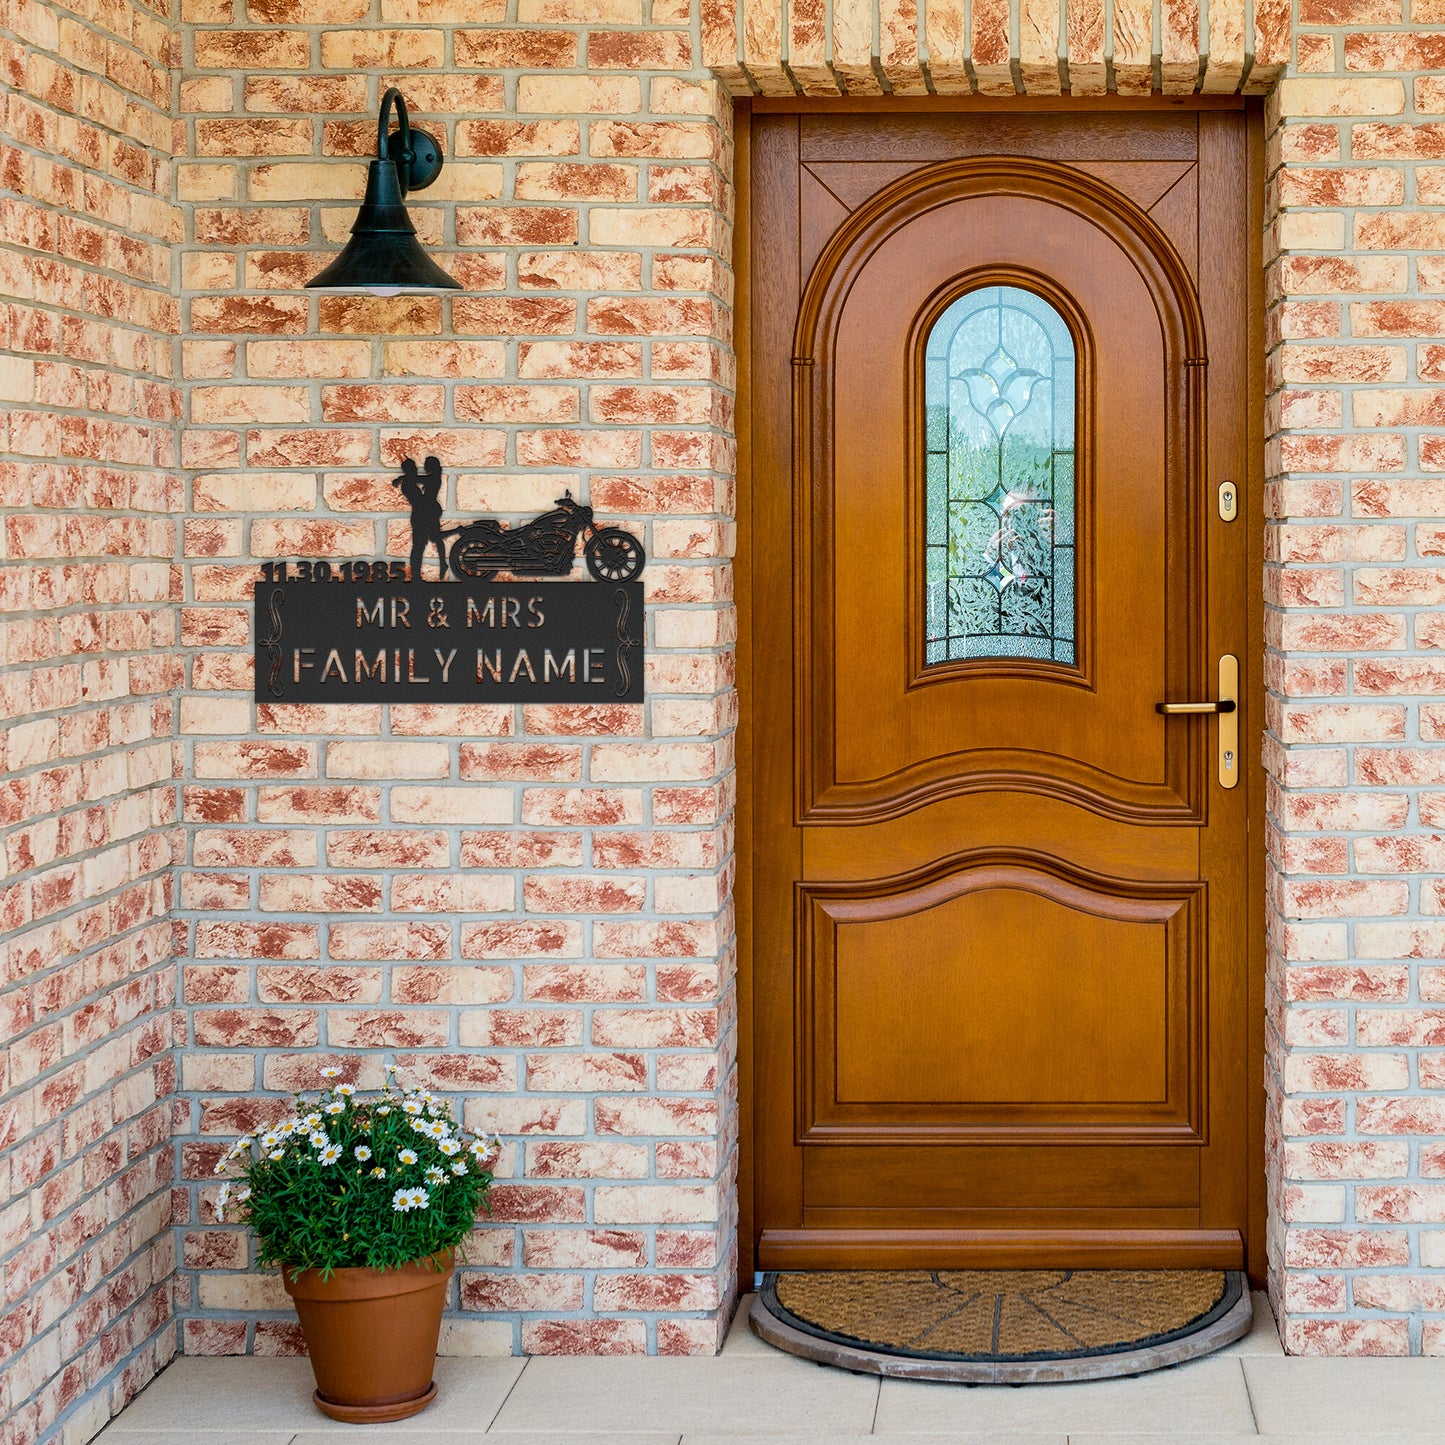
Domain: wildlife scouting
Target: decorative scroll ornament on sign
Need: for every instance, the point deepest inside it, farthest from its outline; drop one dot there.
(378, 631)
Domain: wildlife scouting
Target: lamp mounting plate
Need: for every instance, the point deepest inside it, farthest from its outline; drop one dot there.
(426, 158)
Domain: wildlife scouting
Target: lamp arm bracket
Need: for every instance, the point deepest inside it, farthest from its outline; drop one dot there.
(416, 155)
(392, 97)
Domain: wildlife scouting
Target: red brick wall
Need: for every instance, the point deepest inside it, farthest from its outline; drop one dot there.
(530, 907)
(525, 906)
(1353, 585)
(88, 495)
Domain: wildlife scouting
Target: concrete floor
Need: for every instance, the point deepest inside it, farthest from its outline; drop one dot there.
(1244, 1392)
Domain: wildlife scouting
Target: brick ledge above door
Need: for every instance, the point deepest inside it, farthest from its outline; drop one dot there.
(996, 47)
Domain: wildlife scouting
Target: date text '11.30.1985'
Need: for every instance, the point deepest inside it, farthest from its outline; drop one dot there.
(355, 630)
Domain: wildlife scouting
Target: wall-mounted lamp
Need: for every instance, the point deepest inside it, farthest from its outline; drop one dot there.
(383, 255)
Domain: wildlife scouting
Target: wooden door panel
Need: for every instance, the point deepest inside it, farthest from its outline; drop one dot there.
(1144, 182)
(1053, 729)
(993, 1178)
(831, 189)
(1013, 1001)
(1121, 511)
(999, 901)
(1026, 1003)
(820, 211)
(1132, 136)
(1177, 214)
(988, 819)
(854, 182)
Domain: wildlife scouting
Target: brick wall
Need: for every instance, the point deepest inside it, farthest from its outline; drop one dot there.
(525, 906)
(1356, 1072)
(88, 492)
(529, 907)
(1355, 210)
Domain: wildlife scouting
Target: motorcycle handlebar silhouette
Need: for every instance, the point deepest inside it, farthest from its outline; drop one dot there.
(545, 546)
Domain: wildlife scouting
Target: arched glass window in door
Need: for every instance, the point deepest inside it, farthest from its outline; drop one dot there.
(999, 391)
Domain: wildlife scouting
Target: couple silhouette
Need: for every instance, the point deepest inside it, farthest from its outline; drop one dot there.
(424, 493)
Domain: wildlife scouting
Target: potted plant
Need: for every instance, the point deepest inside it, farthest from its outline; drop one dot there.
(362, 1202)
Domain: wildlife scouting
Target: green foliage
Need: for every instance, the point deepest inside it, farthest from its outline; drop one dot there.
(378, 1181)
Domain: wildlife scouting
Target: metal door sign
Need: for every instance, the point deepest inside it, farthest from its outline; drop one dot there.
(378, 631)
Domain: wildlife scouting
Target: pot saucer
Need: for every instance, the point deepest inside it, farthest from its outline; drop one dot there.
(375, 1414)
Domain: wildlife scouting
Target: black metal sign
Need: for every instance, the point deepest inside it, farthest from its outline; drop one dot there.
(328, 639)
(377, 631)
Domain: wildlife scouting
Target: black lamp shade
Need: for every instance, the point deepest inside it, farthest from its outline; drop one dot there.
(383, 255)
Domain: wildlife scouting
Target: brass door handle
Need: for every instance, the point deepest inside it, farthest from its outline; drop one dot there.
(1174, 709)
(1227, 705)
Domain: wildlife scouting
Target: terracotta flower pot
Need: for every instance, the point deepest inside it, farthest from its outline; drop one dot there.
(372, 1336)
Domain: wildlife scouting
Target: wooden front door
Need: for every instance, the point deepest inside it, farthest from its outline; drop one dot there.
(1001, 903)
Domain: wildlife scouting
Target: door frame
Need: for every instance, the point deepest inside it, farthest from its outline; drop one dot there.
(1253, 517)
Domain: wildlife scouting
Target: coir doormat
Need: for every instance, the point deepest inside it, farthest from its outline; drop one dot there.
(1002, 1326)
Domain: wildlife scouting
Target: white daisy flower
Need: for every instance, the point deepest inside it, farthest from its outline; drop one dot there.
(277, 1154)
(330, 1073)
(401, 1201)
(221, 1200)
(311, 1120)
(459, 1167)
(407, 1156)
(413, 1106)
(450, 1146)
(242, 1195)
(345, 1090)
(384, 1110)
(270, 1139)
(435, 1175)
(362, 1152)
(437, 1129)
(392, 1068)
(331, 1154)
(220, 1165)
(378, 1172)
(289, 1127)
(335, 1107)
(319, 1139)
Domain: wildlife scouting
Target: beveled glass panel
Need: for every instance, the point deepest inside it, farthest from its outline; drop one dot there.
(999, 396)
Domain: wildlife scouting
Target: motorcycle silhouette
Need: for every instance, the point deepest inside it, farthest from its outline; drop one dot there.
(545, 546)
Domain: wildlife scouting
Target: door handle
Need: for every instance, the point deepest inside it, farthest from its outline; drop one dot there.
(1227, 709)
(1176, 709)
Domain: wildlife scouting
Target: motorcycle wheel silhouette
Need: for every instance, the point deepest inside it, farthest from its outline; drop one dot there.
(613, 555)
(470, 556)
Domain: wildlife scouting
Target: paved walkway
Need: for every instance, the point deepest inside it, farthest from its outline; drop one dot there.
(750, 1391)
